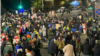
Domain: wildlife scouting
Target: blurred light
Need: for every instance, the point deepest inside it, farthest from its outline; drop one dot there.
(21, 10)
(91, 8)
(20, 6)
(75, 3)
(16, 12)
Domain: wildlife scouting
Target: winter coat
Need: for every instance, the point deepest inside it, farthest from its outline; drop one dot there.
(3, 44)
(52, 47)
(97, 50)
(92, 42)
(6, 49)
(79, 47)
(23, 31)
(25, 42)
(49, 34)
(60, 44)
(18, 47)
(44, 31)
(86, 48)
(74, 29)
(74, 44)
(68, 50)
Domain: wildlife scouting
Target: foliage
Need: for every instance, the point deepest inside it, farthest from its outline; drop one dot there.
(48, 4)
(3, 10)
(84, 3)
(34, 3)
(67, 4)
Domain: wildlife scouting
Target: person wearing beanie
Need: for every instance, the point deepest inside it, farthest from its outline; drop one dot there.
(86, 48)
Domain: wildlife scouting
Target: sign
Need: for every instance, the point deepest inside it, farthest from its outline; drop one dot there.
(93, 0)
(98, 12)
(24, 13)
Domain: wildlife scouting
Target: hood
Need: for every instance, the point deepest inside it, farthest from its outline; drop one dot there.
(4, 39)
(87, 41)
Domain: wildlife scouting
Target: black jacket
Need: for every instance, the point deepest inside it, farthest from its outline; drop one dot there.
(86, 48)
(97, 50)
(73, 43)
(25, 42)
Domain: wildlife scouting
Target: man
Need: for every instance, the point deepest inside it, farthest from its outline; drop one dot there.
(97, 48)
(24, 43)
(36, 42)
(73, 42)
(86, 48)
(3, 44)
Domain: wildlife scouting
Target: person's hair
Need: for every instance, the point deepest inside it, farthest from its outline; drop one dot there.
(19, 42)
(8, 43)
(73, 36)
(20, 53)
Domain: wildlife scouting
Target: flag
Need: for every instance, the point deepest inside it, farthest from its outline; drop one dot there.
(3, 36)
(15, 39)
(39, 17)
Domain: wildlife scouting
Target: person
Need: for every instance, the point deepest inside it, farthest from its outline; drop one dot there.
(68, 38)
(28, 53)
(78, 45)
(10, 53)
(24, 43)
(44, 31)
(59, 45)
(20, 53)
(49, 34)
(52, 49)
(36, 42)
(73, 42)
(7, 48)
(97, 48)
(3, 44)
(68, 49)
(86, 48)
(18, 48)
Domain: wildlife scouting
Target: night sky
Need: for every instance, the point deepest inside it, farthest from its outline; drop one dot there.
(13, 4)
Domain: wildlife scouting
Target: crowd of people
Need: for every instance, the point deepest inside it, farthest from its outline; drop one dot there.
(25, 36)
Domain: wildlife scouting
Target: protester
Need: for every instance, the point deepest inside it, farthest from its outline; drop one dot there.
(36, 42)
(7, 48)
(68, 49)
(97, 48)
(86, 48)
(52, 49)
(60, 44)
(73, 42)
(18, 48)
(3, 45)
(78, 46)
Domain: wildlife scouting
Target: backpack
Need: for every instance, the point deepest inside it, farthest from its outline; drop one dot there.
(40, 44)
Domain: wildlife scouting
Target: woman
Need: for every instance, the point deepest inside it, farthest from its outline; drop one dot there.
(60, 44)
(78, 46)
(28, 53)
(68, 49)
(7, 48)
